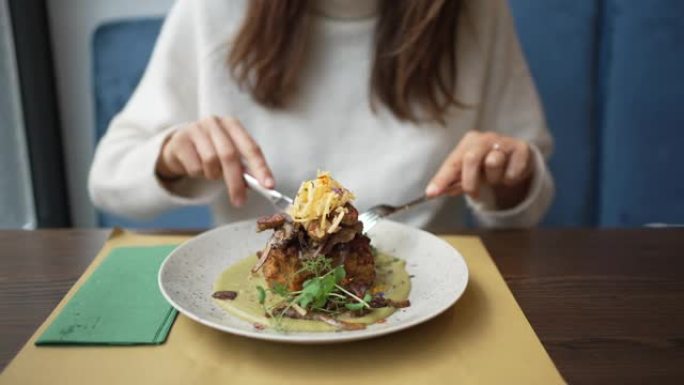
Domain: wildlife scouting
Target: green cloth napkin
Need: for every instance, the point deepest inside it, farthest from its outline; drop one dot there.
(119, 304)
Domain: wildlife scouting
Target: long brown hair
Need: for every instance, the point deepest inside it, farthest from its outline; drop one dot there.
(414, 70)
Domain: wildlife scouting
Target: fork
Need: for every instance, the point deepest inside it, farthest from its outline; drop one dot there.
(371, 217)
(281, 201)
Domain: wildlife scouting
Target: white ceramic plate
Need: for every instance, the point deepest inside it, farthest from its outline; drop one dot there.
(186, 277)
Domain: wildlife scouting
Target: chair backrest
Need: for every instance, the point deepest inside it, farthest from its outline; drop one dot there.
(120, 53)
(609, 74)
(642, 121)
(559, 40)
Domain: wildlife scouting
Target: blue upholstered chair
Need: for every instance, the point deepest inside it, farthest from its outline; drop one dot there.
(120, 53)
(642, 121)
(608, 72)
(559, 40)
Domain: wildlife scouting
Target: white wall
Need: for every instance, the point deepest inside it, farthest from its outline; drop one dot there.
(16, 192)
(72, 23)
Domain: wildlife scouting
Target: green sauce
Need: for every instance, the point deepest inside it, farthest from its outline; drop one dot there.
(391, 279)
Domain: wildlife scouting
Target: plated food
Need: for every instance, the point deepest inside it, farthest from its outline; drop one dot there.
(317, 271)
(195, 271)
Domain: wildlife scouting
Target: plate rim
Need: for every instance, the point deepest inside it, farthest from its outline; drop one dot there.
(293, 337)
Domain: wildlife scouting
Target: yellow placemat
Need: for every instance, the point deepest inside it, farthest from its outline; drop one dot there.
(483, 339)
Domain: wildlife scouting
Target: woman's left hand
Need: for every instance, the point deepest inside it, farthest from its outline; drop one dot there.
(504, 163)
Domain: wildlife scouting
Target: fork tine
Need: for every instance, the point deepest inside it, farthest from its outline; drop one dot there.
(371, 217)
(367, 216)
(369, 220)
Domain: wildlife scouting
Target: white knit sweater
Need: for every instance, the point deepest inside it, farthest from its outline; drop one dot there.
(330, 125)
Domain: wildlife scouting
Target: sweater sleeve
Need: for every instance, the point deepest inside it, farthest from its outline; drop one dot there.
(122, 177)
(511, 106)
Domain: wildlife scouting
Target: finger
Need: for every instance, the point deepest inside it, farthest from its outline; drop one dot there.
(187, 156)
(231, 164)
(454, 190)
(472, 169)
(206, 151)
(175, 167)
(449, 172)
(168, 165)
(518, 165)
(250, 150)
(494, 165)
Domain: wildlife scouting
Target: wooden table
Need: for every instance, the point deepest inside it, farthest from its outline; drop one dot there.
(608, 305)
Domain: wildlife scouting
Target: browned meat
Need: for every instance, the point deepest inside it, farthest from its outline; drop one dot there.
(312, 229)
(344, 235)
(283, 235)
(271, 221)
(358, 261)
(291, 243)
(352, 216)
(379, 301)
(282, 267)
(279, 240)
(225, 294)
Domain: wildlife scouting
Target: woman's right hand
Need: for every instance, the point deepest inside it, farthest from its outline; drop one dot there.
(214, 148)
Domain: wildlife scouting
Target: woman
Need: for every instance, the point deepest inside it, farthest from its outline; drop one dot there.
(395, 98)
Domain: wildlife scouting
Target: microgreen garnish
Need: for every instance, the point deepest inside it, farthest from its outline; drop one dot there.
(317, 265)
(261, 294)
(316, 290)
(322, 293)
(354, 296)
(280, 289)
